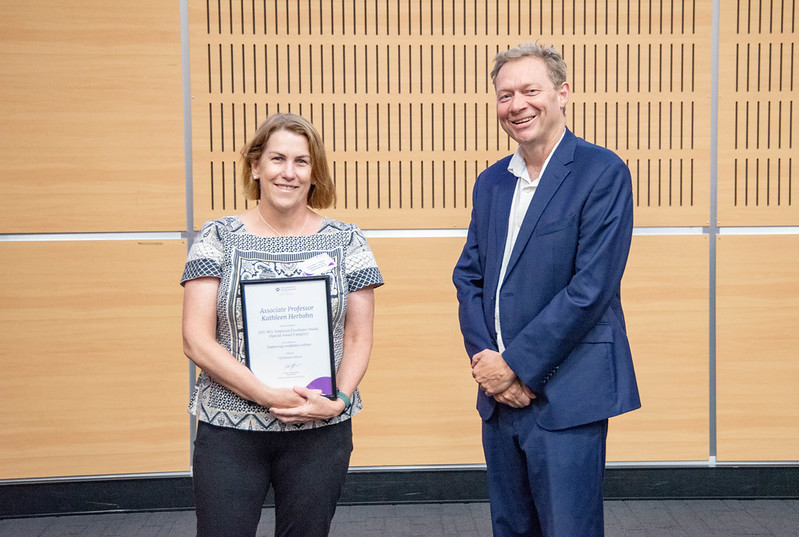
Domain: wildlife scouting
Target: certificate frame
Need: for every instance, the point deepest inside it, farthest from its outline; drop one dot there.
(288, 332)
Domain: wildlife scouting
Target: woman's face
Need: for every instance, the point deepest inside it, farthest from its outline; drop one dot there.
(284, 170)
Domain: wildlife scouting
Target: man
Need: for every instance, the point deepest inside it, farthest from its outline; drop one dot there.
(538, 286)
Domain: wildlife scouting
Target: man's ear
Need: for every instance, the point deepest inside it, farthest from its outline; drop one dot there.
(564, 92)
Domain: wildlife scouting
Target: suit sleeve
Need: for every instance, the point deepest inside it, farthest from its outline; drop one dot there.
(469, 281)
(603, 243)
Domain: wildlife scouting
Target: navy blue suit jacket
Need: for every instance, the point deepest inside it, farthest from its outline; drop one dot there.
(560, 308)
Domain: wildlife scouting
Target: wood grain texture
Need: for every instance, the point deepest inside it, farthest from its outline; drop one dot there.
(92, 121)
(94, 379)
(758, 346)
(758, 170)
(419, 395)
(402, 96)
(665, 300)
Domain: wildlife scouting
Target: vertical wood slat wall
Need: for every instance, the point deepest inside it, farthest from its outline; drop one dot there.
(401, 94)
(758, 109)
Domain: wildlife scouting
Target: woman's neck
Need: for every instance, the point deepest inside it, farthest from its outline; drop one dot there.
(284, 223)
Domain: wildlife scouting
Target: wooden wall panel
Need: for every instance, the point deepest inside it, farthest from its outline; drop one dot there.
(92, 121)
(91, 95)
(419, 395)
(758, 370)
(758, 181)
(665, 299)
(401, 93)
(94, 379)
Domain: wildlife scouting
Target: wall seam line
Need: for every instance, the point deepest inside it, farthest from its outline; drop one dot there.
(713, 229)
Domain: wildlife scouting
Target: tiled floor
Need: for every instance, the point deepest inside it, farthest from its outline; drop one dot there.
(657, 518)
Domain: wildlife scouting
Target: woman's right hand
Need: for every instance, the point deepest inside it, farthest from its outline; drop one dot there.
(283, 398)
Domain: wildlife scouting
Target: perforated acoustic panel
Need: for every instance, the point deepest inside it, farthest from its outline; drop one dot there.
(758, 175)
(401, 93)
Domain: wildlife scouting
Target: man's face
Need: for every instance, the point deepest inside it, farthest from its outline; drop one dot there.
(529, 106)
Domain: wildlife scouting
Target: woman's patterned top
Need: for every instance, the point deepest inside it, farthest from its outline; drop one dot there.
(225, 249)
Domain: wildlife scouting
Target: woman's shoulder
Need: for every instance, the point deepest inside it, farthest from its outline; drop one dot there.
(224, 224)
(329, 225)
(232, 222)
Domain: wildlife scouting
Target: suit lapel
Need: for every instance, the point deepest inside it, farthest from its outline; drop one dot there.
(555, 173)
(502, 199)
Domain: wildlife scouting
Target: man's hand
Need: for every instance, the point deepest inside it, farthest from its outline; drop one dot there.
(491, 372)
(517, 396)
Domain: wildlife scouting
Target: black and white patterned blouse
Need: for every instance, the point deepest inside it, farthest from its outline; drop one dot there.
(225, 249)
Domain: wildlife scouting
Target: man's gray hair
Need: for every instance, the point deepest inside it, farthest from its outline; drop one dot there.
(556, 67)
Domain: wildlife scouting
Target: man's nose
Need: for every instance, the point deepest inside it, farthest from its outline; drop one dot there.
(515, 102)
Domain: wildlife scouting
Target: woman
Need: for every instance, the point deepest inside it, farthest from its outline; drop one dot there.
(251, 435)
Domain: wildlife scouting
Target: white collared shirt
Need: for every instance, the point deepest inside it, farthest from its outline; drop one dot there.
(522, 196)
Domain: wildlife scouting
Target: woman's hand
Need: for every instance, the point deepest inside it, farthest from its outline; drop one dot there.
(315, 407)
(283, 398)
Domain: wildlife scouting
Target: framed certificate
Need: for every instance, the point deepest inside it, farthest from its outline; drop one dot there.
(288, 332)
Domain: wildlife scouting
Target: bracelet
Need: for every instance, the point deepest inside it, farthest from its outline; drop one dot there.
(347, 403)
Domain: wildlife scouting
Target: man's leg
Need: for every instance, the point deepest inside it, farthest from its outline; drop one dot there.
(566, 471)
(513, 513)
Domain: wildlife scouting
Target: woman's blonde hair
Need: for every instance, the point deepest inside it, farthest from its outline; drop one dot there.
(323, 192)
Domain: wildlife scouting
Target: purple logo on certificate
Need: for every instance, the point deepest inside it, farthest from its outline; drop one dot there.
(322, 383)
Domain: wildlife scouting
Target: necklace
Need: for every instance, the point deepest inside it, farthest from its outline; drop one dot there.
(279, 234)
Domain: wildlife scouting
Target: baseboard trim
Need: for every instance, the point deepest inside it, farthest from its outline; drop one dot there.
(62, 497)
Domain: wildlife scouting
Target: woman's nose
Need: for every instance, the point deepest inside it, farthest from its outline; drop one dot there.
(289, 170)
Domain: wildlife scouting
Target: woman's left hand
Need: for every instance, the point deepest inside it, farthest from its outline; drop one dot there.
(316, 407)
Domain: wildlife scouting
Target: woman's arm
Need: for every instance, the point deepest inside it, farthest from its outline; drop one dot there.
(201, 347)
(358, 335)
